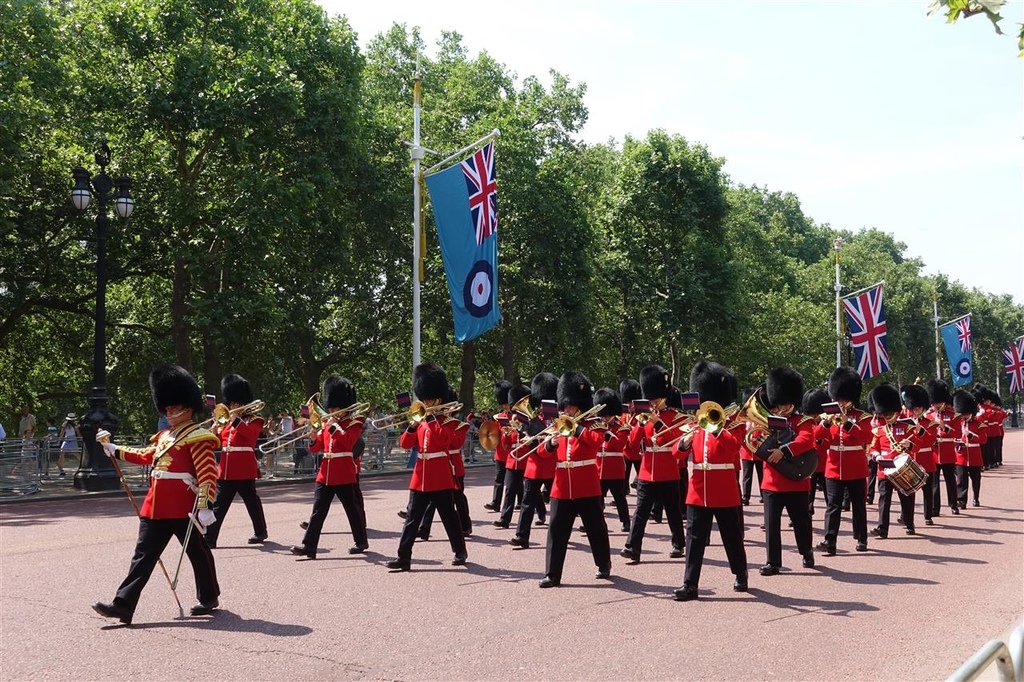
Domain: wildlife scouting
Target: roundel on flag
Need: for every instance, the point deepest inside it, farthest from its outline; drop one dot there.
(478, 290)
(963, 368)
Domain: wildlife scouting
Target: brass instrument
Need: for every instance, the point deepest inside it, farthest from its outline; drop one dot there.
(757, 412)
(523, 405)
(318, 415)
(711, 416)
(417, 412)
(222, 415)
(562, 425)
(489, 435)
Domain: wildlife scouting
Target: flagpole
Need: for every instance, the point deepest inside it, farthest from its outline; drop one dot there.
(416, 152)
(955, 319)
(837, 244)
(938, 349)
(479, 143)
(861, 291)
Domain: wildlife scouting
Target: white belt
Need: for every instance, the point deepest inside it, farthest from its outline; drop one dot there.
(432, 455)
(572, 464)
(708, 466)
(660, 448)
(924, 450)
(946, 440)
(610, 454)
(454, 452)
(236, 448)
(846, 448)
(179, 475)
(333, 455)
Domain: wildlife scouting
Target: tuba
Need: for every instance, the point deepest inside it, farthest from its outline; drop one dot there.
(763, 439)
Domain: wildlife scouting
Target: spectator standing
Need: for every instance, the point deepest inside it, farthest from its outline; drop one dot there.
(70, 437)
(27, 425)
(48, 445)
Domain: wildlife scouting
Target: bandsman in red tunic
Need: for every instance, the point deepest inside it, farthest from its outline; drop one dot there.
(784, 391)
(518, 457)
(890, 439)
(712, 494)
(339, 441)
(611, 460)
(183, 478)
(915, 404)
(432, 477)
(629, 390)
(945, 449)
(501, 389)
(459, 430)
(540, 470)
(576, 490)
(969, 441)
(991, 416)
(846, 463)
(813, 405)
(238, 470)
(658, 480)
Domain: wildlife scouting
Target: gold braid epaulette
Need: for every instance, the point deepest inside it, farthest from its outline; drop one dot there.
(805, 418)
(197, 435)
(139, 452)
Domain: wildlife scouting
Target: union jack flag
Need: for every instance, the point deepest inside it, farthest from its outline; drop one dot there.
(483, 191)
(1013, 359)
(963, 331)
(866, 315)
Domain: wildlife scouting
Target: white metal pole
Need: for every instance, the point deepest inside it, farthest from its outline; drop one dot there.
(938, 348)
(838, 244)
(416, 152)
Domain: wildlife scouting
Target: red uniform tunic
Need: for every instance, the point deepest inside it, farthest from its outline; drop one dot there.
(658, 462)
(884, 441)
(538, 467)
(716, 459)
(846, 458)
(516, 458)
(501, 451)
(968, 445)
(611, 460)
(180, 466)
(238, 450)
(433, 469)
(459, 430)
(924, 443)
(803, 442)
(338, 467)
(945, 446)
(576, 474)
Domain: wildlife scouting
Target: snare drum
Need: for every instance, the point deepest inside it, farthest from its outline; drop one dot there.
(907, 476)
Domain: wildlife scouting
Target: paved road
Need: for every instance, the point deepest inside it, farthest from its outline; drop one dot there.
(912, 608)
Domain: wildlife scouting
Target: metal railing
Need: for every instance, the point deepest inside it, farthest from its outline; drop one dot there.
(1008, 660)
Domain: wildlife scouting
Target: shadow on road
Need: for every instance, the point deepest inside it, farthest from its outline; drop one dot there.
(228, 621)
(802, 606)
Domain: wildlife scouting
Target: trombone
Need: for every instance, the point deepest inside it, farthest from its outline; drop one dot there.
(417, 412)
(222, 415)
(317, 416)
(563, 425)
(710, 417)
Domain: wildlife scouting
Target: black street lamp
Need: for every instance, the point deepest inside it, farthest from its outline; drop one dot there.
(96, 472)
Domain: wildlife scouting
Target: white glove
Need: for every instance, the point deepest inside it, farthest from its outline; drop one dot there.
(110, 450)
(103, 438)
(206, 517)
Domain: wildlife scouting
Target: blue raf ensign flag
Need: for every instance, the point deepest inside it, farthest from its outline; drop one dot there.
(465, 200)
(956, 337)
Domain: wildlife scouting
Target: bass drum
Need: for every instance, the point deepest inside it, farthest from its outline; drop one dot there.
(907, 476)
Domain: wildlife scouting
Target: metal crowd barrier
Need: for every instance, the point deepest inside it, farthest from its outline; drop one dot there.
(1008, 660)
(19, 467)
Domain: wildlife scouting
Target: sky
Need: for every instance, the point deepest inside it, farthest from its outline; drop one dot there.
(871, 112)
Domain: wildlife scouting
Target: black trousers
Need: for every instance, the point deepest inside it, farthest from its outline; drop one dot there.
(513, 491)
(948, 472)
(872, 479)
(563, 518)
(795, 504)
(461, 508)
(836, 491)
(154, 534)
(533, 503)
(323, 496)
(617, 487)
(988, 456)
(929, 495)
(444, 502)
(499, 483)
(997, 448)
(684, 487)
(647, 493)
(749, 467)
(964, 473)
(817, 483)
(885, 489)
(226, 491)
(698, 535)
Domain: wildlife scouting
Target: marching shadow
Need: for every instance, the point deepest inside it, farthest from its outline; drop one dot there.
(874, 579)
(937, 560)
(804, 606)
(226, 621)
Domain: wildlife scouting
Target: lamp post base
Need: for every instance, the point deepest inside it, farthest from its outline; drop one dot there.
(96, 472)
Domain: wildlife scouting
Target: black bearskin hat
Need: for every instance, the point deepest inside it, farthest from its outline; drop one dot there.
(914, 396)
(785, 386)
(610, 400)
(501, 389)
(964, 403)
(675, 398)
(517, 393)
(654, 382)
(938, 391)
(629, 390)
(813, 401)
(713, 382)
(844, 384)
(574, 389)
(543, 387)
(338, 393)
(885, 399)
(173, 386)
(453, 395)
(982, 392)
(429, 382)
(235, 389)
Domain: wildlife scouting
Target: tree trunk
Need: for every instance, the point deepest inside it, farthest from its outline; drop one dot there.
(468, 380)
(180, 329)
(508, 359)
(212, 363)
(675, 362)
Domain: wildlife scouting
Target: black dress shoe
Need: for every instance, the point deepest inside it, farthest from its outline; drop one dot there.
(809, 560)
(423, 536)
(740, 584)
(459, 560)
(634, 557)
(625, 528)
(977, 503)
(398, 565)
(358, 549)
(540, 522)
(403, 514)
(519, 542)
(202, 609)
(122, 613)
(911, 531)
(862, 547)
(685, 593)
(257, 539)
(466, 532)
(518, 507)
(676, 553)
(604, 573)
(879, 533)
(550, 582)
(299, 550)
(899, 520)
(956, 512)
(304, 525)
(769, 569)
(499, 524)
(490, 506)
(929, 522)
(212, 544)
(827, 547)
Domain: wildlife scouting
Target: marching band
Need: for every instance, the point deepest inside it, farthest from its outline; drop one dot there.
(560, 442)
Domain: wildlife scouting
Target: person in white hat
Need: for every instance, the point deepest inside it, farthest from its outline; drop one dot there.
(69, 439)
